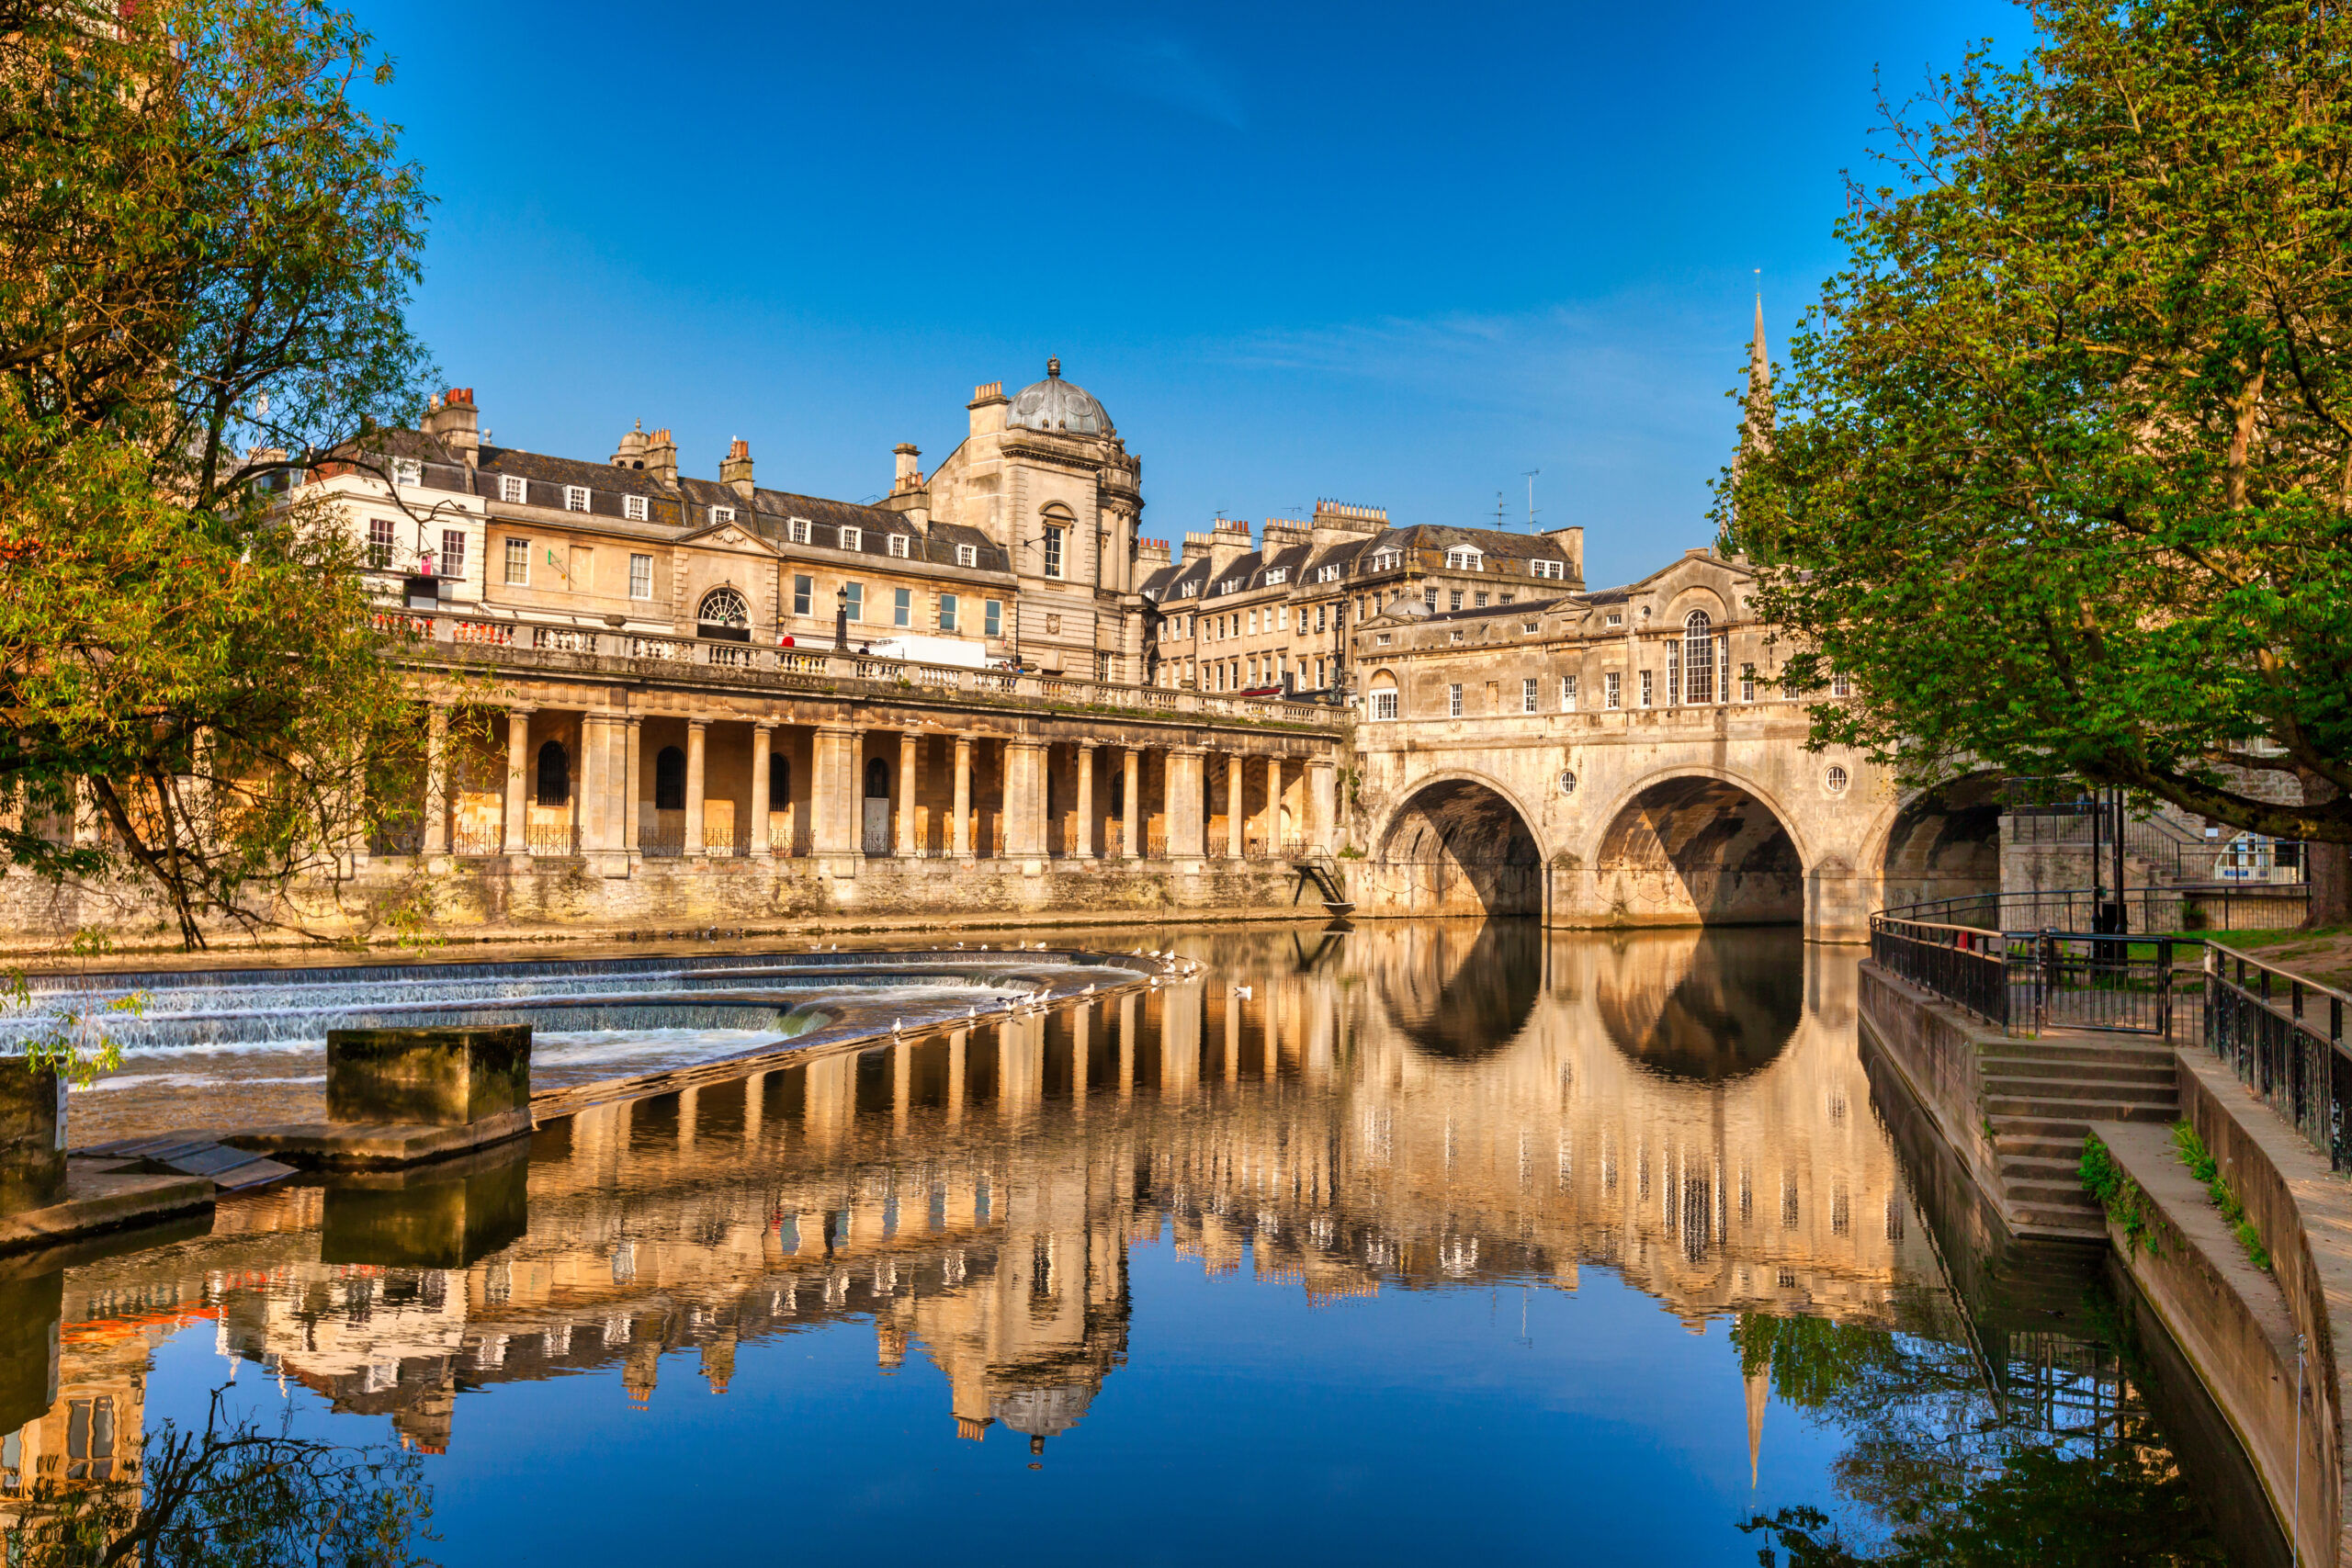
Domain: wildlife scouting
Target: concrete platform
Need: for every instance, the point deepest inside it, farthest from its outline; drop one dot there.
(100, 1198)
(337, 1146)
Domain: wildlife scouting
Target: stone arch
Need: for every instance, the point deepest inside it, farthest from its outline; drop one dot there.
(1458, 844)
(1703, 1007)
(1461, 1000)
(1700, 847)
(1940, 842)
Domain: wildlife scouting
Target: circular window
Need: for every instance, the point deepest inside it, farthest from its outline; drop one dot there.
(1835, 779)
(1567, 780)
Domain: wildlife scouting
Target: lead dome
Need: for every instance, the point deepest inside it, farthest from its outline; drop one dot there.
(1057, 405)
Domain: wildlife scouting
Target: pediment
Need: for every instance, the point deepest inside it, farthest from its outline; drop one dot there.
(729, 536)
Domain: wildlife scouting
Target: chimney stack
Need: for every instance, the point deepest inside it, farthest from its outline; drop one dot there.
(661, 456)
(736, 470)
(453, 421)
(1152, 555)
(908, 476)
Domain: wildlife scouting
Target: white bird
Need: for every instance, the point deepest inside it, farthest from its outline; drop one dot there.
(1242, 991)
(898, 1026)
(1088, 992)
(973, 1011)
(983, 947)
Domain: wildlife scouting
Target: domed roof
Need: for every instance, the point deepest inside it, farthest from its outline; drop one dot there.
(1056, 404)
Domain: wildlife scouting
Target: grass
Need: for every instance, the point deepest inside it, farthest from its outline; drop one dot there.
(2201, 1166)
(2116, 1193)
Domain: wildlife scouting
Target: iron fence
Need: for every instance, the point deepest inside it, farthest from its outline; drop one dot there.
(1155, 844)
(2284, 1038)
(466, 839)
(2071, 980)
(2146, 911)
(1961, 963)
(662, 846)
(553, 838)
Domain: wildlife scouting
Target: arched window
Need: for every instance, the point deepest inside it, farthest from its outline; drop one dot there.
(1697, 658)
(724, 615)
(555, 776)
(779, 782)
(878, 780)
(670, 780)
(1384, 695)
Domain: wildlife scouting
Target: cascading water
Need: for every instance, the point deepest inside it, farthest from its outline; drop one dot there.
(247, 1047)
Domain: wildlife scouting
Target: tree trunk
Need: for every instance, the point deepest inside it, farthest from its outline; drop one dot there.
(2328, 866)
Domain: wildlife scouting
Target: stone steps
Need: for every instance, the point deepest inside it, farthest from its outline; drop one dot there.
(2042, 1096)
(2160, 1074)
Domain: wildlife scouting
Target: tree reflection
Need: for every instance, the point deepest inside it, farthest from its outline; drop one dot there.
(2054, 1461)
(230, 1495)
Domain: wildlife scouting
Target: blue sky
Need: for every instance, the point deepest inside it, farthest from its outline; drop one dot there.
(1392, 256)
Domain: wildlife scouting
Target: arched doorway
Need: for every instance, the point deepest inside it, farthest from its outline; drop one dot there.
(877, 806)
(1698, 851)
(1456, 848)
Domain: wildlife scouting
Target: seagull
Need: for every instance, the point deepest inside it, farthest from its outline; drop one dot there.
(898, 1026)
(1242, 991)
(972, 1012)
(1088, 992)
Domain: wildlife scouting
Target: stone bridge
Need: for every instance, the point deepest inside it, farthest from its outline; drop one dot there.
(1626, 758)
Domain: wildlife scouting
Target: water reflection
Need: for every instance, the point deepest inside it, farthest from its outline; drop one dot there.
(1421, 1108)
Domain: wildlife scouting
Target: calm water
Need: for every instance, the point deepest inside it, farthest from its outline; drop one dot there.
(1410, 1244)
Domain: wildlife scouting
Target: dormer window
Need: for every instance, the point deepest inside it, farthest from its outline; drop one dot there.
(633, 508)
(1551, 569)
(1614, 619)
(407, 471)
(1387, 561)
(722, 514)
(514, 489)
(575, 498)
(1326, 574)
(1465, 557)
(967, 554)
(1276, 575)
(899, 546)
(853, 538)
(1530, 627)
(796, 529)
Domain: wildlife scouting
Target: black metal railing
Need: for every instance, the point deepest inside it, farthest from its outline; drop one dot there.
(662, 846)
(465, 840)
(2146, 911)
(1961, 963)
(553, 838)
(2283, 1036)
(2073, 980)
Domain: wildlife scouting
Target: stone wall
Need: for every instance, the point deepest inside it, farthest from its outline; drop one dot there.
(495, 897)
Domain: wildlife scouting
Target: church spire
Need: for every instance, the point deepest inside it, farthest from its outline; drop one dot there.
(1759, 423)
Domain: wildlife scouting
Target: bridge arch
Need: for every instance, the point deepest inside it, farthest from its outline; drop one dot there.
(1940, 842)
(1700, 846)
(1460, 844)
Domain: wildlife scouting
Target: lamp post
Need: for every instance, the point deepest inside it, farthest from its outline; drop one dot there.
(840, 619)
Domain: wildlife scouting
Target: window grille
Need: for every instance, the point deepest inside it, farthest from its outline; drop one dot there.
(1454, 700)
(948, 608)
(1278, 574)
(967, 554)
(453, 552)
(1384, 703)
(1835, 779)
(641, 577)
(1647, 692)
(722, 514)
(902, 606)
(853, 538)
(1463, 557)
(633, 508)
(1053, 552)
(1453, 600)
(1614, 619)
(1697, 658)
(1567, 693)
(897, 546)
(804, 594)
(1551, 569)
(992, 617)
(514, 489)
(796, 530)
(518, 563)
(407, 471)
(1528, 697)
(575, 498)
(379, 543)
(1612, 690)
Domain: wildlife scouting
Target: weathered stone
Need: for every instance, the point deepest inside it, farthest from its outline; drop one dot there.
(438, 1076)
(447, 1216)
(32, 1138)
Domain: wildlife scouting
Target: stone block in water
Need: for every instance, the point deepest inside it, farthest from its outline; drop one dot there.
(443, 1077)
(447, 1216)
(32, 1138)
(30, 1311)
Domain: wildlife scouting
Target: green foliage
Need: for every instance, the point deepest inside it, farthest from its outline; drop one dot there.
(229, 1496)
(205, 254)
(2060, 467)
(2202, 1165)
(2116, 1193)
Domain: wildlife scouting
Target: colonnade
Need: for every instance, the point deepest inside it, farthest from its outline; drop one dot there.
(603, 783)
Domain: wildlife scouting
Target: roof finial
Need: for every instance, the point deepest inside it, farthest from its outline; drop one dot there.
(1054, 366)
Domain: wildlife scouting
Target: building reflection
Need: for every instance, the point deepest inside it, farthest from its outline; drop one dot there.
(1402, 1106)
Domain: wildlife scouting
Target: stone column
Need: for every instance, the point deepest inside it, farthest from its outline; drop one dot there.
(698, 743)
(437, 780)
(1082, 847)
(1232, 806)
(959, 828)
(1322, 806)
(1134, 804)
(1273, 807)
(518, 756)
(908, 748)
(834, 827)
(1024, 799)
(1187, 803)
(762, 741)
(631, 762)
(591, 813)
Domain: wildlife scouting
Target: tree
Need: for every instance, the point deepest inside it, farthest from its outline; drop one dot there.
(206, 248)
(2060, 467)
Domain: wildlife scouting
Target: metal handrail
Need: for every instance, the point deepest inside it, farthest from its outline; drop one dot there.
(2257, 1018)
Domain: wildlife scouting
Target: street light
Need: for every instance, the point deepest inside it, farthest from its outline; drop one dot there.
(840, 619)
